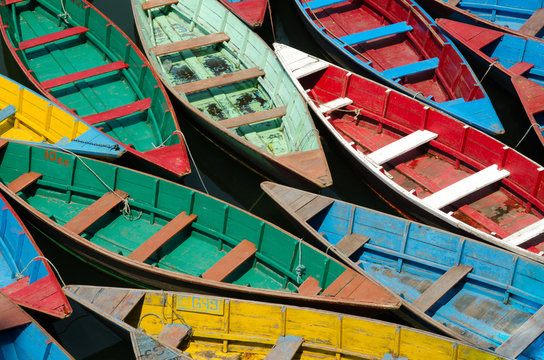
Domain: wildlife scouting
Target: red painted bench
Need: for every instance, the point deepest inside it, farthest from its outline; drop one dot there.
(231, 261)
(80, 75)
(24, 181)
(521, 68)
(145, 250)
(309, 287)
(41, 40)
(116, 113)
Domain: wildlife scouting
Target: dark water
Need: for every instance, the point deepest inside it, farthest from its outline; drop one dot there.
(224, 177)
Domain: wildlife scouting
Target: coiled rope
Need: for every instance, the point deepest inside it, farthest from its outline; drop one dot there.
(300, 269)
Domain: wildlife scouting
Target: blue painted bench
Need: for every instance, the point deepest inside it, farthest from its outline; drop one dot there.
(7, 112)
(377, 33)
(317, 4)
(465, 4)
(410, 69)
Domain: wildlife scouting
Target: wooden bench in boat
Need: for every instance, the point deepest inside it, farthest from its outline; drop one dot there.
(9, 2)
(285, 348)
(310, 287)
(317, 4)
(401, 146)
(59, 35)
(521, 68)
(173, 227)
(534, 24)
(309, 68)
(193, 43)
(118, 112)
(95, 211)
(351, 243)
(334, 104)
(80, 75)
(24, 181)
(151, 4)
(411, 69)
(441, 286)
(254, 117)
(220, 80)
(348, 283)
(173, 334)
(7, 112)
(368, 35)
(526, 234)
(231, 261)
(466, 186)
(523, 336)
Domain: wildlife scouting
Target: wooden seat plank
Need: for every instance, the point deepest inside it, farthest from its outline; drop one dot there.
(254, 117)
(173, 334)
(337, 285)
(521, 68)
(523, 336)
(151, 4)
(193, 43)
(285, 348)
(95, 211)
(7, 112)
(466, 186)
(534, 24)
(441, 286)
(525, 234)
(231, 261)
(24, 181)
(59, 35)
(401, 146)
(335, 104)
(3, 142)
(118, 112)
(453, 2)
(11, 315)
(80, 75)
(310, 287)
(350, 243)
(220, 80)
(309, 69)
(177, 224)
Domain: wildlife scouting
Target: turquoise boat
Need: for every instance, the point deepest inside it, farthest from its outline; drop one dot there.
(157, 233)
(28, 117)
(82, 61)
(470, 291)
(234, 86)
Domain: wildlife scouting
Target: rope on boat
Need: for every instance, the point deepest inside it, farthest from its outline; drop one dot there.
(20, 275)
(300, 269)
(305, 137)
(64, 16)
(256, 202)
(328, 247)
(190, 155)
(526, 133)
(271, 21)
(112, 147)
(126, 210)
(180, 318)
(417, 93)
(146, 315)
(488, 68)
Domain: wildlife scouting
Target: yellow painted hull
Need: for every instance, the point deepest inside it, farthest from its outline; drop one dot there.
(229, 329)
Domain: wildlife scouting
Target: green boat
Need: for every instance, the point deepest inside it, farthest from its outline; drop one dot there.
(235, 87)
(82, 61)
(158, 233)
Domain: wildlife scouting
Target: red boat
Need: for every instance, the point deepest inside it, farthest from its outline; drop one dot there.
(251, 12)
(427, 163)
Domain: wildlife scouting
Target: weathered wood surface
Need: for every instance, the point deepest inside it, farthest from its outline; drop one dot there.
(254, 117)
(351, 243)
(285, 348)
(11, 315)
(231, 261)
(193, 43)
(221, 80)
(439, 288)
(173, 334)
(151, 4)
(309, 287)
(24, 181)
(85, 74)
(534, 24)
(523, 336)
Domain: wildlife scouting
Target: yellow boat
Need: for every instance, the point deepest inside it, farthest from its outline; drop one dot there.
(215, 328)
(28, 117)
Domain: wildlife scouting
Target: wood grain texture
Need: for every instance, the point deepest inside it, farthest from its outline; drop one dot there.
(24, 181)
(232, 260)
(220, 80)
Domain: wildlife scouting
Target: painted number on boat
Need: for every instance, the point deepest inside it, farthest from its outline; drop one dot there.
(52, 156)
(79, 3)
(200, 304)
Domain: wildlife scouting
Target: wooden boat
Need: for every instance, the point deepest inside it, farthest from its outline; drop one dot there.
(251, 12)
(233, 85)
(514, 58)
(21, 337)
(522, 18)
(399, 44)
(79, 59)
(171, 237)
(26, 276)
(229, 328)
(435, 168)
(29, 117)
(471, 291)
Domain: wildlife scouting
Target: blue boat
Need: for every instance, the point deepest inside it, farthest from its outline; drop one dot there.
(399, 44)
(25, 275)
(22, 338)
(471, 291)
(28, 117)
